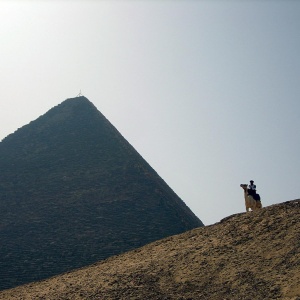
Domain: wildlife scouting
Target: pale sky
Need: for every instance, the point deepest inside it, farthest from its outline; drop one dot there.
(207, 92)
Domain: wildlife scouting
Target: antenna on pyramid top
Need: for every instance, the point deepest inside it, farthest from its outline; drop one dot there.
(79, 95)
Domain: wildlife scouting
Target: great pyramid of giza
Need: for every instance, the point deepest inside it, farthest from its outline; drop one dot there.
(73, 191)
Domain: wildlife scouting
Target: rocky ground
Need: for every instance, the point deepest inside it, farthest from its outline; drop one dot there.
(253, 255)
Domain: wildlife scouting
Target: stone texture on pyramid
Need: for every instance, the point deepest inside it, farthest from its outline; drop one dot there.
(73, 191)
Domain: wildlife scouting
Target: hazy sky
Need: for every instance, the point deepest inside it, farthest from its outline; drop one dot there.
(208, 92)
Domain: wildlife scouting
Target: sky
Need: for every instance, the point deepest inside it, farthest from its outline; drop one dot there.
(207, 92)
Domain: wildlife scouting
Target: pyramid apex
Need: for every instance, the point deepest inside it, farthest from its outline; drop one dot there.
(79, 95)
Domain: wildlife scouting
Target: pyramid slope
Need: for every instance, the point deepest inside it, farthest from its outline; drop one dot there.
(248, 256)
(73, 191)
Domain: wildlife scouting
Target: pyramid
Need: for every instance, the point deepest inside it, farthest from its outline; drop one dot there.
(73, 192)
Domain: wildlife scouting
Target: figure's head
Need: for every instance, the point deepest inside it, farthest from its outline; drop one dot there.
(251, 181)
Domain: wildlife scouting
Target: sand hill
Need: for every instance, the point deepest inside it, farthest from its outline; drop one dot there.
(253, 255)
(73, 191)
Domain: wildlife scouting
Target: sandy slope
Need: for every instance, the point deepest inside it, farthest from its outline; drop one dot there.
(252, 255)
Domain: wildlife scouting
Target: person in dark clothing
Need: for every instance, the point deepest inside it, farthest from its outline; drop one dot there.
(252, 191)
(251, 188)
